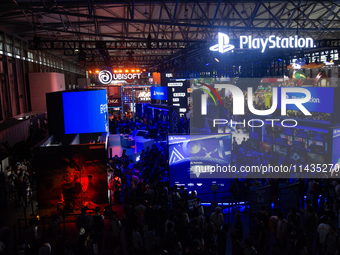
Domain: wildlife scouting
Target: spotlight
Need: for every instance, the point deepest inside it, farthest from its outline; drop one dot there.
(120, 71)
(90, 72)
(207, 64)
(126, 70)
(115, 71)
(216, 59)
(132, 70)
(137, 70)
(97, 71)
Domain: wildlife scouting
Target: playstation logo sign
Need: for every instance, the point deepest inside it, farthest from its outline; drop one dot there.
(223, 44)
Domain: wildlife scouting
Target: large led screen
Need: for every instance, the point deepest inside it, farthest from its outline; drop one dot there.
(85, 111)
(191, 155)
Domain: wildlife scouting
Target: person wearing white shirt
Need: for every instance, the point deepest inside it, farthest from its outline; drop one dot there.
(322, 231)
(217, 218)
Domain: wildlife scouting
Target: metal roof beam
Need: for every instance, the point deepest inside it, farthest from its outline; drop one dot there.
(329, 14)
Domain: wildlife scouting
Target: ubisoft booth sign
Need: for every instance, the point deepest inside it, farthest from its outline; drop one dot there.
(106, 77)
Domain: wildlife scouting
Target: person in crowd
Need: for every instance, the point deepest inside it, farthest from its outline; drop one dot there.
(149, 238)
(249, 248)
(281, 234)
(45, 248)
(198, 208)
(238, 228)
(236, 245)
(83, 220)
(54, 225)
(332, 243)
(293, 215)
(97, 228)
(116, 186)
(137, 241)
(260, 233)
(322, 232)
(209, 234)
(310, 226)
(221, 240)
(217, 218)
(115, 228)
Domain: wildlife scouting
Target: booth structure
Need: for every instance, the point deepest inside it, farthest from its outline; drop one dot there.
(314, 139)
(71, 163)
(168, 115)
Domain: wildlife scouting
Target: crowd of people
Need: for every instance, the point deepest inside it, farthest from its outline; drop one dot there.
(157, 125)
(157, 219)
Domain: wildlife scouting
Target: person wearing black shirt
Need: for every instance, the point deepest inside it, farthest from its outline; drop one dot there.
(238, 226)
(236, 248)
(221, 240)
(97, 227)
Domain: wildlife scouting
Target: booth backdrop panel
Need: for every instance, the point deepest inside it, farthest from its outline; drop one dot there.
(53, 163)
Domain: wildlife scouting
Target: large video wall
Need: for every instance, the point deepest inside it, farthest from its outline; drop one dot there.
(191, 157)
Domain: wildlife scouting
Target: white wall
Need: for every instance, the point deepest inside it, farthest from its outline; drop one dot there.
(42, 83)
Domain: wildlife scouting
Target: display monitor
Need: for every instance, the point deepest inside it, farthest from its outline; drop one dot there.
(316, 136)
(191, 155)
(302, 133)
(316, 146)
(299, 143)
(159, 93)
(85, 111)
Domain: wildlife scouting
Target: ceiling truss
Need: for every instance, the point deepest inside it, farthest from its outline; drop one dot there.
(173, 25)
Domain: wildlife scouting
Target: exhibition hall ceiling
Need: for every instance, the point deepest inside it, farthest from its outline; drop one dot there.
(171, 26)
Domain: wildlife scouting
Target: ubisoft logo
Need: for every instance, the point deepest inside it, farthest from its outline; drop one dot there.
(105, 77)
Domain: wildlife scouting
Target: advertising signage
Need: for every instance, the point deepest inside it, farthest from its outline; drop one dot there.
(177, 94)
(224, 43)
(159, 93)
(85, 112)
(105, 77)
(322, 99)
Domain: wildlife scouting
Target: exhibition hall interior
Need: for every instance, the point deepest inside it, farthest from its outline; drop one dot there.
(169, 127)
